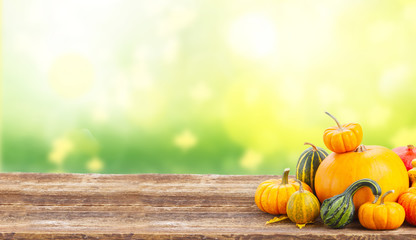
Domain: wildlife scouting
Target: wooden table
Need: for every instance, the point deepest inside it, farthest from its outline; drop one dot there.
(156, 206)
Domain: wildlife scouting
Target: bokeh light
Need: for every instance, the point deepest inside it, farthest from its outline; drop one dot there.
(71, 76)
(253, 36)
(227, 87)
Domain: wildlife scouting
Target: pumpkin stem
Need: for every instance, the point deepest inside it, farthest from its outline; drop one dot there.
(285, 176)
(410, 147)
(300, 185)
(376, 197)
(384, 195)
(313, 146)
(360, 148)
(339, 125)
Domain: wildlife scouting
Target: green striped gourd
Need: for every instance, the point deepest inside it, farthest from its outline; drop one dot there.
(302, 207)
(338, 211)
(308, 164)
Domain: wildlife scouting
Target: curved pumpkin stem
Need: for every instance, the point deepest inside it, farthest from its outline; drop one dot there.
(339, 125)
(365, 182)
(285, 176)
(360, 148)
(300, 185)
(313, 146)
(384, 195)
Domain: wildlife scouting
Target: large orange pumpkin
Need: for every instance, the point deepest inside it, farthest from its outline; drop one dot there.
(380, 164)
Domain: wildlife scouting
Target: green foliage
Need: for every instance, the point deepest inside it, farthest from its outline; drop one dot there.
(181, 86)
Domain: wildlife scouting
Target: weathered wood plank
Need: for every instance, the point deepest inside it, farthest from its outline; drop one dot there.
(149, 206)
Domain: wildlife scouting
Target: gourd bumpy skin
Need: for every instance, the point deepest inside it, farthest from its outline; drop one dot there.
(338, 211)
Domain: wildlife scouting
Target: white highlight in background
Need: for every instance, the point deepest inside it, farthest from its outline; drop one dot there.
(253, 36)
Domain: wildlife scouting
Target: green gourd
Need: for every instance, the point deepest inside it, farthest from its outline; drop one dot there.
(308, 164)
(302, 206)
(338, 211)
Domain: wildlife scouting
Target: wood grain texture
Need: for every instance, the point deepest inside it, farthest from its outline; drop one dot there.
(150, 206)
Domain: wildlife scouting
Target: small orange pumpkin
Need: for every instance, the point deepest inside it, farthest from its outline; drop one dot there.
(343, 138)
(408, 201)
(272, 195)
(383, 216)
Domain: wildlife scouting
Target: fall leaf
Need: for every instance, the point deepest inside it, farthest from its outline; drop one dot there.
(277, 219)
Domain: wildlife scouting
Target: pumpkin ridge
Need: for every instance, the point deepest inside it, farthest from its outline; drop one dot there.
(312, 172)
(390, 213)
(262, 187)
(264, 203)
(307, 211)
(302, 167)
(372, 218)
(298, 168)
(409, 204)
(373, 225)
(345, 209)
(272, 195)
(300, 212)
(338, 139)
(277, 199)
(308, 164)
(329, 210)
(322, 155)
(339, 211)
(350, 209)
(377, 223)
(312, 202)
(346, 138)
(283, 200)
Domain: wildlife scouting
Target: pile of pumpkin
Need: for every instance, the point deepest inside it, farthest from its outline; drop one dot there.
(371, 181)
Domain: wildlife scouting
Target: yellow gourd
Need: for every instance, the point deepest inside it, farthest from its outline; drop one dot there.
(303, 207)
(412, 174)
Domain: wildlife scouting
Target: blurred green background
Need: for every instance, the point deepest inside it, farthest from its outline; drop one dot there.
(199, 86)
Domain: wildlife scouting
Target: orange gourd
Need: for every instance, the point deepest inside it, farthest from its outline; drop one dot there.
(272, 195)
(412, 174)
(343, 138)
(382, 216)
(408, 201)
(378, 163)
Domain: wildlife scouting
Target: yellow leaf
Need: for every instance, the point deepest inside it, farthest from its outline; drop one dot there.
(300, 226)
(277, 219)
